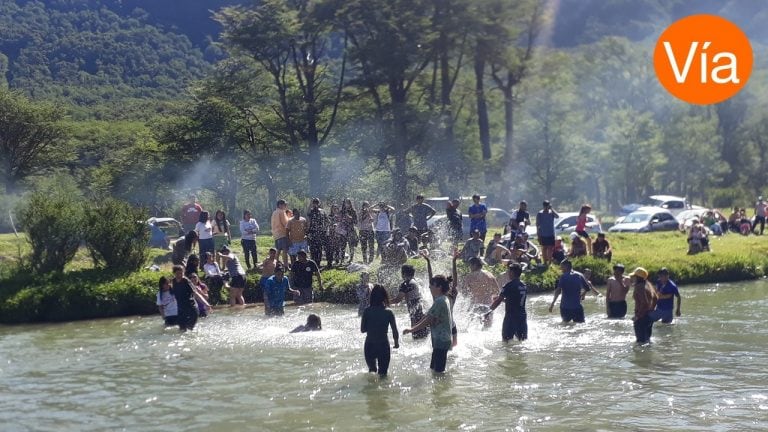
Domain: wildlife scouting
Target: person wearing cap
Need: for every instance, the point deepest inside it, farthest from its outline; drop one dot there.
(545, 230)
(477, 212)
(616, 293)
(645, 301)
(473, 247)
(514, 293)
(666, 289)
(302, 273)
(760, 209)
(571, 284)
(275, 289)
(236, 274)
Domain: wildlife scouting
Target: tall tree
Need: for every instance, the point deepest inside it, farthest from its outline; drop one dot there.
(290, 43)
(31, 138)
(391, 43)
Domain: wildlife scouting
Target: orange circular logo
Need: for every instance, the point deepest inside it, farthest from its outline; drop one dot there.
(703, 59)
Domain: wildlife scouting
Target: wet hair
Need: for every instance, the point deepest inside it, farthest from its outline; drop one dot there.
(161, 283)
(407, 270)
(204, 215)
(516, 269)
(379, 296)
(444, 283)
(314, 323)
(475, 262)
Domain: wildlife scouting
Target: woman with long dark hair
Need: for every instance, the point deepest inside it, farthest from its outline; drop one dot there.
(376, 319)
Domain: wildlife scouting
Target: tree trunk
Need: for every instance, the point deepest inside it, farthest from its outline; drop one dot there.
(509, 128)
(482, 106)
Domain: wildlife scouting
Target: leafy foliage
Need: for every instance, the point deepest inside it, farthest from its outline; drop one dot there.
(52, 218)
(116, 235)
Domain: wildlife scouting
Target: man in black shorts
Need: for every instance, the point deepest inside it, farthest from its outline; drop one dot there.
(302, 277)
(545, 230)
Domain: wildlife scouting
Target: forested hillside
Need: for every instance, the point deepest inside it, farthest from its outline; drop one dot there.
(247, 101)
(106, 64)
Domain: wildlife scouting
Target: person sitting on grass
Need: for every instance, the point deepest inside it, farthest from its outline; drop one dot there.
(473, 248)
(559, 251)
(495, 252)
(733, 220)
(183, 247)
(578, 246)
(697, 239)
(745, 225)
(313, 324)
(601, 248)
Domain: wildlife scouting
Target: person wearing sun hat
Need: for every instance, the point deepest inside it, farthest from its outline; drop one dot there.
(645, 302)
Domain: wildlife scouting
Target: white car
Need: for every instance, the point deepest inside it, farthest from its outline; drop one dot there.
(647, 219)
(672, 203)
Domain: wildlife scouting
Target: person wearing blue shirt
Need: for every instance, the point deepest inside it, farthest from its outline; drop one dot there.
(477, 214)
(571, 284)
(274, 290)
(666, 290)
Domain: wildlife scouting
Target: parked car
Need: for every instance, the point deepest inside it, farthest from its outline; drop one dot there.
(646, 219)
(565, 224)
(495, 218)
(672, 203)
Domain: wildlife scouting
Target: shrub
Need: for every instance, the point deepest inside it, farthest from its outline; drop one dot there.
(52, 217)
(116, 235)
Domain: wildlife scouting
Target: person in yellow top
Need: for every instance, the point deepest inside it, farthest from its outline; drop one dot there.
(279, 228)
(297, 235)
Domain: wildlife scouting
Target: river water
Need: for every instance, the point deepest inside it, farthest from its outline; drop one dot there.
(241, 371)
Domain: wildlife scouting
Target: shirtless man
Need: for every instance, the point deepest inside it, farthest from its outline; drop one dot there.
(480, 286)
(616, 293)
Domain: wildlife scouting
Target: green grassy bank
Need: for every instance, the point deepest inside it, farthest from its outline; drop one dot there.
(83, 292)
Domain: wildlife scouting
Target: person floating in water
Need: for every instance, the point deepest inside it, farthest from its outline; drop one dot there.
(514, 293)
(439, 321)
(376, 318)
(313, 324)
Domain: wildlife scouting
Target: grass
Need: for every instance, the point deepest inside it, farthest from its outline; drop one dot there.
(83, 291)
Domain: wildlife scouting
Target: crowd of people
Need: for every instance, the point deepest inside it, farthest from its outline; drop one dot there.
(290, 270)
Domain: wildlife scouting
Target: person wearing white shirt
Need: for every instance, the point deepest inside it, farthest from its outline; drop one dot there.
(204, 235)
(248, 231)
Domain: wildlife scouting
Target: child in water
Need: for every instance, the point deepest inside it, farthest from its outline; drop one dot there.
(166, 302)
(363, 292)
(376, 319)
(313, 324)
(439, 320)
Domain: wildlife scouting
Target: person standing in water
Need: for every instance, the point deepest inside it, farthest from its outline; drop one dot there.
(481, 286)
(275, 289)
(666, 290)
(439, 321)
(570, 284)
(185, 295)
(302, 273)
(453, 293)
(514, 294)
(645, 301)
(616, 293)
(236, 274)
(375, 320)
(166, 302)
(409, 290)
